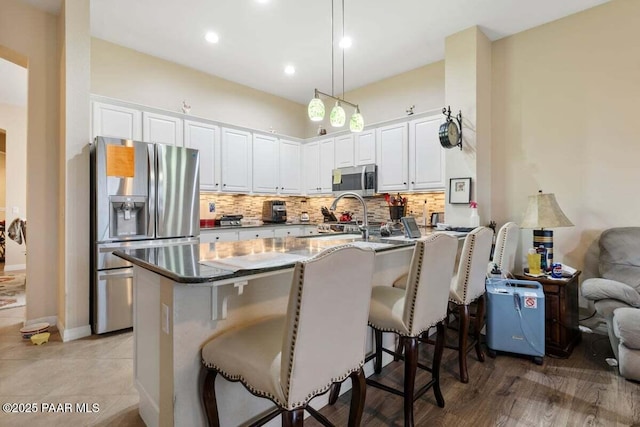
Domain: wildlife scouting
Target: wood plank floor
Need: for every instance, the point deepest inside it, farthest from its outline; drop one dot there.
(510, 391)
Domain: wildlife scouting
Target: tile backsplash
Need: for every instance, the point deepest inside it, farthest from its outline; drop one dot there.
(250, 207)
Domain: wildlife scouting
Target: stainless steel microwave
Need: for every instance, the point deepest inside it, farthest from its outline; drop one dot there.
(362, 180)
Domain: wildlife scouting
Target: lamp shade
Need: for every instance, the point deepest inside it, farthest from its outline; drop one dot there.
(543, 212)
(356, 124)
(316, 109)
(337, 116)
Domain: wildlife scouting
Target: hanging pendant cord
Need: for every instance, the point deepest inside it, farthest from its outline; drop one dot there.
(332, 49)
(343, 49)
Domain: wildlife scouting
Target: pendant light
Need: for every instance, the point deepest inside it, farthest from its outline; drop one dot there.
(337, 117)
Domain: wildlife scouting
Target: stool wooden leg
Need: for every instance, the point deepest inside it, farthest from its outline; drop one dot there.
(410, 367)
(293, 418)
(334, 393)
(378, 363)
(478, 326)
(399, 349)
(437, 359)
(463, 332)
(358, 394)
(209, 398)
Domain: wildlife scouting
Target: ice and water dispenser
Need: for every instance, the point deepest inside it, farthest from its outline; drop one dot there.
(128, 216)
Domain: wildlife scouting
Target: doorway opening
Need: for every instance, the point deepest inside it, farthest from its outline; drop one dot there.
(13, 189)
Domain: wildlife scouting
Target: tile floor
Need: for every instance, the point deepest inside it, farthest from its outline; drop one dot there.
(91, 370)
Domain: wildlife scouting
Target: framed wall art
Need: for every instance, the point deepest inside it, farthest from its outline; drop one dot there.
(459, 191)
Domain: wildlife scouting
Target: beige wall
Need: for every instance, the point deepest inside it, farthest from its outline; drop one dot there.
(28, 37)
(3, 168)
(565, 108)
(122, 73)
(389, 98)
(13, 119)
(74, 255)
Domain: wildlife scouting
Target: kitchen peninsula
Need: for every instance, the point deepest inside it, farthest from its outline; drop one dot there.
(185, 294)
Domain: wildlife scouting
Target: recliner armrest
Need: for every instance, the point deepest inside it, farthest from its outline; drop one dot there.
(597, 289)
(626, 326)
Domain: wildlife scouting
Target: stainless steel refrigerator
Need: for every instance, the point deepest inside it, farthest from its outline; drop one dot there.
(142, 195)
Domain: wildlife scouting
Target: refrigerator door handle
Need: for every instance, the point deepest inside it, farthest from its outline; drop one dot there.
(151, 219)
(109, 276)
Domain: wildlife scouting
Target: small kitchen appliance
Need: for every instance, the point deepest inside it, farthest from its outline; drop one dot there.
(229, 220)
(274, 211)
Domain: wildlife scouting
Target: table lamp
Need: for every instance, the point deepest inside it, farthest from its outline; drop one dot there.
(543, 212)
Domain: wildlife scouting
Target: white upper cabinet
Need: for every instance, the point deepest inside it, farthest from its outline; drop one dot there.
(326, 165)
(162, 129)
(290, 181)
(311, 167)
(265, 164)
(318, 163)
(426, 156)
(236, 161)
(116, 122)
(344, 151)
(365, 147)
(206, 139)
(392, 158)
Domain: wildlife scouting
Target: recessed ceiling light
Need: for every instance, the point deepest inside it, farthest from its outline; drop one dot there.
(345, 43)
(289, 70)
(212, 37)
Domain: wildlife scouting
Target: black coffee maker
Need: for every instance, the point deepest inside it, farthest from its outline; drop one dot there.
(274, 211)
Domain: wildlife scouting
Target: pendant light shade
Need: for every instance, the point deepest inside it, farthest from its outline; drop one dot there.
(337, 116)
(316, 109)
(356, 124)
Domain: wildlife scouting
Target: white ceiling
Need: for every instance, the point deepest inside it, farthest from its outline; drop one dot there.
(258, 39)
(13, 84)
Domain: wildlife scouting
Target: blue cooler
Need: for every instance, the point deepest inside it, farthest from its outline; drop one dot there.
(515, 317)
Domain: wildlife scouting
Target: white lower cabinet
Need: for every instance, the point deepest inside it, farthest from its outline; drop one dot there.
(256, 233)
(209, 236)
(288, 231)
(310, 230)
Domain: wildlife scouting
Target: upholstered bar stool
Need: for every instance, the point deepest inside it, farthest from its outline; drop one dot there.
(468, 285)
(412, 310)
(507, 242)
(321, 340)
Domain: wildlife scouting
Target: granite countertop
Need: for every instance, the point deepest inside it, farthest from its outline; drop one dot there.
(259, 224)
(211, 262)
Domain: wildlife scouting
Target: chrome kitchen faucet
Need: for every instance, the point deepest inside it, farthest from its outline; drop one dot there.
(365, 221)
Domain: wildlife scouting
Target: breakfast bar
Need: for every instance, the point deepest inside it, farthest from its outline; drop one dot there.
(185, 294)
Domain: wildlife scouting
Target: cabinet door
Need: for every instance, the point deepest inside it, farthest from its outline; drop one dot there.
(265, 164)
(288, 231)
(116, 122)
(256, 233)
(162, 129)
(236, 161)
(311, 164)
(365, 148)
(289, 162)
(344, 151)
(206, 139)
(218, 236)
(326, 165)
(392, 152)
(426, 156)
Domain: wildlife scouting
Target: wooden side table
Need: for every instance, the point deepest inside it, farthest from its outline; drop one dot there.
(561, 313)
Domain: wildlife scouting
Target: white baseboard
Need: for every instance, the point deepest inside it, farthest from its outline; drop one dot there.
(51, 320)
(73, 333)
(147, 408)
(14, 267)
